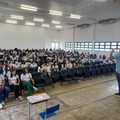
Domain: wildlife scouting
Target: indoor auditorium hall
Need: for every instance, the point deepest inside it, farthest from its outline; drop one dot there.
(59, 59)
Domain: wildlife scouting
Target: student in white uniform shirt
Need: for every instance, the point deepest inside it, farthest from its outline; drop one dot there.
(14, 83)
(47, 68)
(27, 82)
(69, 65)
(33, 65)
(8, 73)
(39, 69)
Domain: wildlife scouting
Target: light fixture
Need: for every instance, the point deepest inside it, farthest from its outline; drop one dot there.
(75, 16)
(38, 19)
(28, 7)
(59, 26)
(30, 23)
(11, 21)
(17, 17)
(46, 25)
(55, 22)
(55, 12)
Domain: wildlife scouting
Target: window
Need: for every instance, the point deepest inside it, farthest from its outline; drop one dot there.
(68, 45)
(72, 45)
(86, 45)
(107, 45)
(54, 45)
(76, 45)
(118, 45)
(90, 45)
(96, 44)
(114, 45)
(101, 46)
(79, 44)
(82, 45)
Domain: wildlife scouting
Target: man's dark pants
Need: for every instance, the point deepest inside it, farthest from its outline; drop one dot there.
(118, 79)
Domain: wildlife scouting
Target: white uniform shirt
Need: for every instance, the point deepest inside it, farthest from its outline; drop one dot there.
(46, 68)
(1, 79)
(8, 74)
(26, 77)
(33, 65)
(39, 69)
(13, 79)
(69, 65)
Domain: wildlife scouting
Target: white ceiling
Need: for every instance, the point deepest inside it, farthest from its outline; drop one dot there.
(90, 10)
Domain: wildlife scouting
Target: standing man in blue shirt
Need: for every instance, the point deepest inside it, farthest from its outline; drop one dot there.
(117, 58)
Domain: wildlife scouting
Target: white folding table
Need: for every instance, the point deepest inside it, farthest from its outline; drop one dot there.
(35, 99)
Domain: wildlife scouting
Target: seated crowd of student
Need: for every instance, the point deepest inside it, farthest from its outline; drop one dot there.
(11, 81)
(42, 59)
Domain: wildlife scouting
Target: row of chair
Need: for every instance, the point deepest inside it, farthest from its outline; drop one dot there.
(42, 78)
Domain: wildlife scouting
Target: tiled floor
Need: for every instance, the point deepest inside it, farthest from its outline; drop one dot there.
(92, 99)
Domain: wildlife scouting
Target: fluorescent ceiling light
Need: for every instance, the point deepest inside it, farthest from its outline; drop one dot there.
(75, 16)
(28, 7)
(54, 12)
(11, 21)
(38, 20)
(59, 26)
(46, 25)
(18, 17)
(30, 23)
(55, 22)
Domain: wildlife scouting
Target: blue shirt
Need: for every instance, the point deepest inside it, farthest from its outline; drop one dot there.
(117, 57)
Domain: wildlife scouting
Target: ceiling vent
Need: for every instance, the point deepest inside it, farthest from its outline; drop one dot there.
(108, 21)
(116, 1)
(83, 26)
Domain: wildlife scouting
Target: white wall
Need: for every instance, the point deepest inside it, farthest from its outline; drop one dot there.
(12, 36)
(109, 32)
(103, 33)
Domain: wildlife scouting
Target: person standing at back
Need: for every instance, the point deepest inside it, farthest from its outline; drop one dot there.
(4, 91)
(117, 59)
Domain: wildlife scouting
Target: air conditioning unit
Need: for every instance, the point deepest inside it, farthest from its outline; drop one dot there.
(108, 21)
(116, 1)
(83, 26)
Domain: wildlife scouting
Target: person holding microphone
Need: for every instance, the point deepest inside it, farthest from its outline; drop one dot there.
(116, 56)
